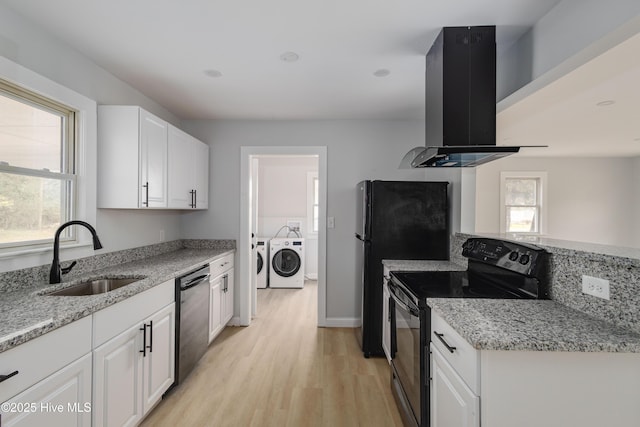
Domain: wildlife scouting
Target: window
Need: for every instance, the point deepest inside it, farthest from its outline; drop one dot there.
(313, 197)
(37, 167)
(522, 200)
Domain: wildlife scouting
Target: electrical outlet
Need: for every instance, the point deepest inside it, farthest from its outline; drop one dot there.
(596, 287)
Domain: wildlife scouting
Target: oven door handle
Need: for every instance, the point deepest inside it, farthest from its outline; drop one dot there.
(403, 305)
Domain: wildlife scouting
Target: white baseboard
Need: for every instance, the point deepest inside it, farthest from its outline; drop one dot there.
(235, 321)
(342, 322)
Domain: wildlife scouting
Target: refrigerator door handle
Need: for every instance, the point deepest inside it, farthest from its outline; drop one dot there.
(359, 237)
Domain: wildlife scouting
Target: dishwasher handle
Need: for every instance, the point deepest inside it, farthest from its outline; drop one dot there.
(194, 282)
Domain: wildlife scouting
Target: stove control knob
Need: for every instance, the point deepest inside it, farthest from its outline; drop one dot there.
(513, 256)
(524, 259)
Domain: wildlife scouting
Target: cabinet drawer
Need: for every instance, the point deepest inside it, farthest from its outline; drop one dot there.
(42, 356)
(221, 265)
(461, 355)
(111, 321)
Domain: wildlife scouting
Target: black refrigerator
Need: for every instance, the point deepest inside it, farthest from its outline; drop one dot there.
(395, 220)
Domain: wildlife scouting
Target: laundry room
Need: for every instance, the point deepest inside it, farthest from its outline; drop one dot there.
(285, 221)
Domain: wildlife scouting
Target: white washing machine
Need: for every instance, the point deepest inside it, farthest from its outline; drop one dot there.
(262, 260)
(286, 263)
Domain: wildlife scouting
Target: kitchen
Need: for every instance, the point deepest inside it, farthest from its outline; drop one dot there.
(356, 149)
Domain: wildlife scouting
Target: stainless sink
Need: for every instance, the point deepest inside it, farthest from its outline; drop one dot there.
(94, 287)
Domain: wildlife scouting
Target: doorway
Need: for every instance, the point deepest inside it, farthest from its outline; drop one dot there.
(250, 157)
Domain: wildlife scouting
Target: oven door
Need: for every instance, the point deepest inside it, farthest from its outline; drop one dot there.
(406, 376)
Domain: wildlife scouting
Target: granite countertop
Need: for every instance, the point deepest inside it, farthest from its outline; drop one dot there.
(421, 265)
(532, 325)
(26, 314)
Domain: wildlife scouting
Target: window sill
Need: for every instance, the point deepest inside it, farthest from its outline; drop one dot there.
(9, 253)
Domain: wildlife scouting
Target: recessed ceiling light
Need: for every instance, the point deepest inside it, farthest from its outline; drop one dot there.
(605, 103)
(382, 72)
(289, 57)
(213, 73)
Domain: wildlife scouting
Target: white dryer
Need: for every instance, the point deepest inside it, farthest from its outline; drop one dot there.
(286, 263)
(262, 260)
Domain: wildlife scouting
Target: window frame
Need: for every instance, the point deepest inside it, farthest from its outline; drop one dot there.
(68, 160)
(85, 162)
(541, 202)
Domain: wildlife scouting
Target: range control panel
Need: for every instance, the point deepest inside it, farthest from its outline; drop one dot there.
(520, 258)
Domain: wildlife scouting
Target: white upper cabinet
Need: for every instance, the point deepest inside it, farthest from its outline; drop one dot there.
(188, 171)
(153, 161)
(144, 162)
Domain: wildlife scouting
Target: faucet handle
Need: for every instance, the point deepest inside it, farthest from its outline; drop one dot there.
(65, 270)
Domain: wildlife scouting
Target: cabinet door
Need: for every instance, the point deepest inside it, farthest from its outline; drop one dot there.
(153, 161)
(227, 303)
(386, 322)
(117, 392)
(215, 307)
(181, 169)
(453, 404)
(201, 163)
(61, 400)
(159, 359)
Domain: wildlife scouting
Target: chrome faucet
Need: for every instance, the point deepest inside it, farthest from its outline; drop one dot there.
(56, 271)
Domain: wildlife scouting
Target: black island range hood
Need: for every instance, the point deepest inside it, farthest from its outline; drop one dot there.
(460, 101)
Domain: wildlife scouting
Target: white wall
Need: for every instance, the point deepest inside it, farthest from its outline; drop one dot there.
(565, 31)
(636, 198)
(282, 197)
(29, 46)
(357, 150)
(588, 199)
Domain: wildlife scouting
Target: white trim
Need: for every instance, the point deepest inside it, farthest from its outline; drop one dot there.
(246, 294)
(343, 322)
(85, 168)
(542, 176)
(310, 177)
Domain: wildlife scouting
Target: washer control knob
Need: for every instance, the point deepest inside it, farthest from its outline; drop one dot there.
(286, 243)
(524, 259)
(513, 256)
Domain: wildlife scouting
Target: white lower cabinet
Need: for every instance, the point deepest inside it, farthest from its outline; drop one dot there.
(453, 404)
(221, 295)
(227, 296)
(506, 388)
(215, 307)
(386, 316)
(133, 368)
(61, 400)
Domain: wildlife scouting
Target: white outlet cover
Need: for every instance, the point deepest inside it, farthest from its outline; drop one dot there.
(595, 286)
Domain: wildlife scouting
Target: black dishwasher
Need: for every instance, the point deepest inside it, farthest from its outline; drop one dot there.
(192, 320)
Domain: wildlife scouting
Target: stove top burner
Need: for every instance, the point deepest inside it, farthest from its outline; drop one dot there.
(454, 284)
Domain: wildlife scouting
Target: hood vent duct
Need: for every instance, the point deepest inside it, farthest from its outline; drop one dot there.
(460, 101)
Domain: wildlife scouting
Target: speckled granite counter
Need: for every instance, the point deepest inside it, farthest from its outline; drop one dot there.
(538, 325)
(26, 314)
(421, 265)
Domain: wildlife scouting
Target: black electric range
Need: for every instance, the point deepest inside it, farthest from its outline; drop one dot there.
(496, 269)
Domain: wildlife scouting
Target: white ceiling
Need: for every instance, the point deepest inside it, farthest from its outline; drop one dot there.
(564, 113)
(163, 47)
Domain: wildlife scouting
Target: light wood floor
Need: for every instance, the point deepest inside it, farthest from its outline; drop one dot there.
(283, 371)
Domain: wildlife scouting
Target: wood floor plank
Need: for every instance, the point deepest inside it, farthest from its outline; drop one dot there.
(282, 371)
